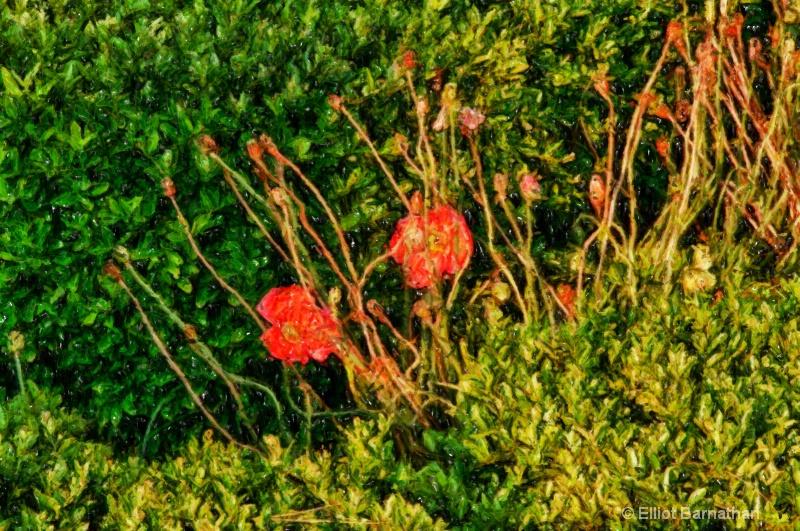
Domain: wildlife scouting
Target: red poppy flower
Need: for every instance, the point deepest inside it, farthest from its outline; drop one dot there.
(431, 246)
(300, 329)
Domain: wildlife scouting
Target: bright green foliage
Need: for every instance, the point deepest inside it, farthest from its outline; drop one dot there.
(683, 402)
(49, 472)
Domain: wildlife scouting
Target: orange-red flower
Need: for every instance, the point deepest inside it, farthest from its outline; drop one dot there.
(431, 246)
(300, 330)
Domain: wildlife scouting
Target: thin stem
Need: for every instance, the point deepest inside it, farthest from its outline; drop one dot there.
(490, 232)
(185, 224)
(180, 374)
(381, 163)
(20, 379)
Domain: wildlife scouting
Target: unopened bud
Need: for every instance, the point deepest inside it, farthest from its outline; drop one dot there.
(207, 145)
(16, 342)
(112, 270)
(334, 296)
(254, 150)
(169, 187)
(417, 203)
(501, 184)
(190, 332)
(335, 102)
(121, 254)
(529, 187)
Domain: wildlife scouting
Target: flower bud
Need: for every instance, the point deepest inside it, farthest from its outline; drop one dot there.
(254, 150)
(410, 59)
(470, 120)
(422, 106)
(121, 254)
(16, 342)
(334, 296)
(169, 187)
(501, 184)
(335, 102)
(529, 187)
(441, 122)
(190, 332)
(112, 270)
(207, 145)
(417, 203)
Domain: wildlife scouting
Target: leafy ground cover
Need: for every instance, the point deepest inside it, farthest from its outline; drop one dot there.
(622, 334)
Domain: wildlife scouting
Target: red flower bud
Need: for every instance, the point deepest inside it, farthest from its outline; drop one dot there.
(112, 270)
(207, 145)
(254, 151)
(597, 195)
(169, 187)
(335, 102)
(470, 120)
(529, 187)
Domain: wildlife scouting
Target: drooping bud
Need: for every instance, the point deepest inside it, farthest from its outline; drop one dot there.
(190, 333)
(16, 342)
(112, 270)
(401, 142)
(169, 187)
(422, 106)
(597, 195)
(335, 102)
(207, 145)
(675, 35)
(566, 295)
(417, 203)
(121, 254)
(254, 151)
(470, 120)
(529, 187)
(501, 184)
(662, 111)
(441, 122)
